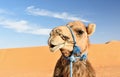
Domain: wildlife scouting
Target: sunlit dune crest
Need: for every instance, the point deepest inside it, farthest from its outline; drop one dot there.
(40, 62)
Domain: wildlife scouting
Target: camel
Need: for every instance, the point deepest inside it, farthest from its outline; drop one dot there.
(61, 40)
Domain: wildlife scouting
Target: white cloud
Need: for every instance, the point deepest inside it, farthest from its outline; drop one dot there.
(23, 26)
(3, 11)
(42, 12)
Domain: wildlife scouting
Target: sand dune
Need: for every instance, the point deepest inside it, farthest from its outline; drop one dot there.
(40, 62)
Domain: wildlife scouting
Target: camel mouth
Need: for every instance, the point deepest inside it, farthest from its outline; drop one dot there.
(54, 47)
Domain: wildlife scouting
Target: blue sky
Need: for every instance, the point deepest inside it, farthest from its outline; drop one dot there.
(26, 23)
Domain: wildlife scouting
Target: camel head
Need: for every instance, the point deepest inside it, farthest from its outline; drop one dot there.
(61, 37)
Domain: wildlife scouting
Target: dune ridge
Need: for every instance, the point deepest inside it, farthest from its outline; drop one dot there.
(40, 62)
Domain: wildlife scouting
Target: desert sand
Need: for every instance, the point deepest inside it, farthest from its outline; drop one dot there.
(40, 62)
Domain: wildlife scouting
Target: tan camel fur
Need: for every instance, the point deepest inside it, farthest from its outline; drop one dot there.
(61, 40)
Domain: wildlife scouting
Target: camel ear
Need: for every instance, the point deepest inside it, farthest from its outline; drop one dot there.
(91, 29)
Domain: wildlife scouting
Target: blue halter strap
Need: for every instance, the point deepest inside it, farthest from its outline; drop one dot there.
(76, 50)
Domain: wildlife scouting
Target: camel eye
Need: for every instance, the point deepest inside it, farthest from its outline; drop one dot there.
(80, 32)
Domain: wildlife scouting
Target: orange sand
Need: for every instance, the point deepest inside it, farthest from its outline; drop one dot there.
(40, 62)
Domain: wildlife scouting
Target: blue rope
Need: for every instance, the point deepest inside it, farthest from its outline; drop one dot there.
(72, 59)
(72, 34)
(71, 71)
(76, 50)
